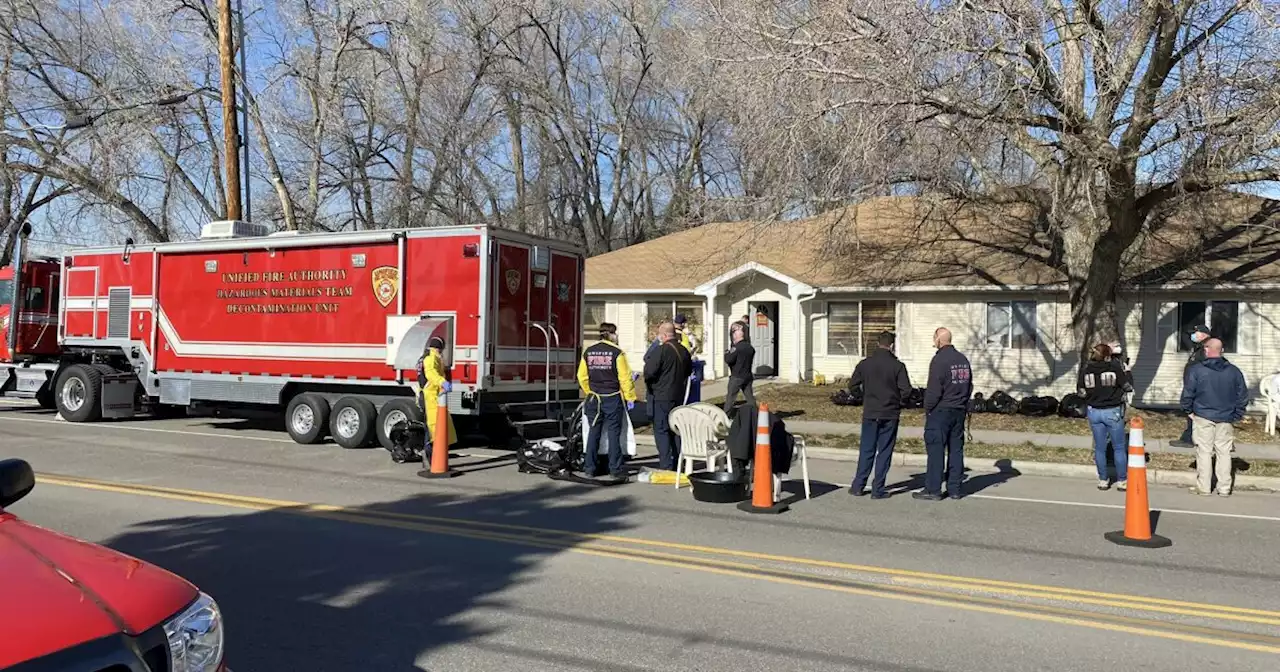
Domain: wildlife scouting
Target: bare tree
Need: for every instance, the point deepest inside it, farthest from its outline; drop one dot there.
(1099, 120)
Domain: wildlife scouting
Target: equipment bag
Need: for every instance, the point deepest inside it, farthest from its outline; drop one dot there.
(1000, 402)
(978, 404)
(408, 441)
(1073, 406)
(844, 398)
(1038, 407)
(915, 399)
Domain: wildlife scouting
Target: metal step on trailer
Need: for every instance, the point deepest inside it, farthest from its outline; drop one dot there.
(535, 430)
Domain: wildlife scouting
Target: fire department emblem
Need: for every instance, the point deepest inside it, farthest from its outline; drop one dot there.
(562, 292)
(513, 281)
(386, 284)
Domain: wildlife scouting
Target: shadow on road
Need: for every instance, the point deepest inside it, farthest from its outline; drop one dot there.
(367, 588)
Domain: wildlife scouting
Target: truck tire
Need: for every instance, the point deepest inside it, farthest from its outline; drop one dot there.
(307, 418)
(392, 412)
(352, 423)
(78, 394)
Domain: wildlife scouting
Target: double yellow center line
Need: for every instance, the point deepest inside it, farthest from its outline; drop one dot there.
(1249, 629)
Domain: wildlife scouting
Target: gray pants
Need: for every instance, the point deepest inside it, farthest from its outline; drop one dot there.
(1214, 440)
(738, 385)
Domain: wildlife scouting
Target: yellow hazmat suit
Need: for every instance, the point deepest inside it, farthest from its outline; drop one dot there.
(432, 372)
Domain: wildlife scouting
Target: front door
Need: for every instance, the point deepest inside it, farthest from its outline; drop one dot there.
(764, 336)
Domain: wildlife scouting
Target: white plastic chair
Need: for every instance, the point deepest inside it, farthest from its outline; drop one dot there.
(1271, 397)
(804, 463)
(698, 440)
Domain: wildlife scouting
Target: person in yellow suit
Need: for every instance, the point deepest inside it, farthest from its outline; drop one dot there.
(606, 382)
(432, 382)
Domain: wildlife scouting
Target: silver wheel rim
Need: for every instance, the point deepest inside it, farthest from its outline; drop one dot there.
(73, 394)
(348, 422)
(393, 418)
(303, 420)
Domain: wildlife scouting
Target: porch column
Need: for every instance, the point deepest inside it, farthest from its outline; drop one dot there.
(799, 293)
(710, 334)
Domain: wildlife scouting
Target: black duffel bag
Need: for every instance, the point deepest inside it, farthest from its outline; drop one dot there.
(1000, 402)
(1038, 407)
(1073, 406)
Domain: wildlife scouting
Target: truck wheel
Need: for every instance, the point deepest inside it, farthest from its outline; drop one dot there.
(352, 422)
(392, 413)
(79, 394)
(307, 418)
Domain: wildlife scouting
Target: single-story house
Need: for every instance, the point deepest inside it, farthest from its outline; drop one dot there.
(816, 292)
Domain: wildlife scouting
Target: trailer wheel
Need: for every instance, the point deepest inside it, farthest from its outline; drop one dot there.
(307, 418)
(352, 423)
(391, 413)
(78, 394)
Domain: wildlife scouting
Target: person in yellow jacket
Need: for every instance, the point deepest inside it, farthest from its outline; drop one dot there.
(432, 382)
(607, 383)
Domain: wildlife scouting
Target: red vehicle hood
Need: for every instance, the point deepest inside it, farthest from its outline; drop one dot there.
(60, 591)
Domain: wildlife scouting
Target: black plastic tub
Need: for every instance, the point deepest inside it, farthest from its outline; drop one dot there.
(718, 487)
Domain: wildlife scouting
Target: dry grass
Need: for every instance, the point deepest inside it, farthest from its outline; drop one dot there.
(1032, 453)
(815, 404)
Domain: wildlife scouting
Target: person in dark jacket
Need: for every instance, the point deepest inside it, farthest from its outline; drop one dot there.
(606, 382)
(666, 375)
(738, 360)
(885, 386)
(946, 403)
(1199, 336)
(1214, 396)
(1103, 382)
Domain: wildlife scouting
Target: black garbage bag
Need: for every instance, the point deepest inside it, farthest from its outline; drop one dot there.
(1073, 406)
(1038, 407)
(408, 441)
(978, 404)
(846, 398)
(1000, 402)
(915, 399)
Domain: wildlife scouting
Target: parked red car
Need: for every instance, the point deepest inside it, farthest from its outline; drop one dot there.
(72, 606)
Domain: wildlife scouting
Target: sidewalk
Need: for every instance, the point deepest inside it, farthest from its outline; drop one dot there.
(996, 437)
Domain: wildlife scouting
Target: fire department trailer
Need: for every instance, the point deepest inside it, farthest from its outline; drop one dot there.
(328, 327)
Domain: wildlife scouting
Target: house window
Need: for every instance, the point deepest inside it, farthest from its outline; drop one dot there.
(656, 312)
(1222, 318)
(852, 326)
(1012, 324)
(593, 315)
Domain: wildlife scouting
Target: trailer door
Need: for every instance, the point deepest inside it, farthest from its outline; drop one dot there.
(510, 283)
(566, 295)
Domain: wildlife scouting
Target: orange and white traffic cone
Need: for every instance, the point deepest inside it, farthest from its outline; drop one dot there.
(762, 471)
(440, 444)
(1137, 510)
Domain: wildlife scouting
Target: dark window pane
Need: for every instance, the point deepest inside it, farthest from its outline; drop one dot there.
(842, 328)
(1190, 314)
(877, 316)
(1224, 323)
(1023, 327)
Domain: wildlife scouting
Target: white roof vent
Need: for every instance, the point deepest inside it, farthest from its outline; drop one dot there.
(232, 229)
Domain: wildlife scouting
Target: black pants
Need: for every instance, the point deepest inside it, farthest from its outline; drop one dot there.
(737, 385)
(604, 414)
(663, 435)
(875, 450)
(944, 443)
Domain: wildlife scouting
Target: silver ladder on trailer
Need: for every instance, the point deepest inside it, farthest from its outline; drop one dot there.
(550, 426)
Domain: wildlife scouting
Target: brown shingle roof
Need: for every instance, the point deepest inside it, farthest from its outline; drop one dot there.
(900, 241)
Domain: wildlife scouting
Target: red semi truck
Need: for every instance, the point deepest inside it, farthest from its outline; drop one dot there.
(327, 327)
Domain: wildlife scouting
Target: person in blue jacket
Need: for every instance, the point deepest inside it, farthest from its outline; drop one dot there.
(1214, 396)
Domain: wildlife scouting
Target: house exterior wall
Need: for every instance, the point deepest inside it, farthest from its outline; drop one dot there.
(1148, 332)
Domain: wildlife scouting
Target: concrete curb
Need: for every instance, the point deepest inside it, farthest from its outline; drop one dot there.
(1027, 468)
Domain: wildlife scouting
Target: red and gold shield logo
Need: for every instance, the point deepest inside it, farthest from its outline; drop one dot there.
(386, 284)
(513, 281)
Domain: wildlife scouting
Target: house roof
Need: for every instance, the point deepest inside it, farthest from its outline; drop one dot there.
(914, 241)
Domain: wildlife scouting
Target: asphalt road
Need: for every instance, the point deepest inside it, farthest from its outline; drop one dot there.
(325, 559)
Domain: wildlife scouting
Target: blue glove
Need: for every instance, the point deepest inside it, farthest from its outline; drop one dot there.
(631, 405)
(448, 387)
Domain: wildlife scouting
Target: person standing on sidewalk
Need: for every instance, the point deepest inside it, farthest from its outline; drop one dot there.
(1199, 336)
(886, 385)
(607, 384)
(738, 361)
(946, 403)
(1103, 382)
(666, 375)
(1214, 396)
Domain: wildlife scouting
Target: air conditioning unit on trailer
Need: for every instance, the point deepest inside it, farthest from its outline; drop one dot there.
(233, 229)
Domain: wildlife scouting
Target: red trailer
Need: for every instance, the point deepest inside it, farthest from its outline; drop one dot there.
(327, 327)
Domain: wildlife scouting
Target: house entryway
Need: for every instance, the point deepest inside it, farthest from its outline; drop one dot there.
(764, 336)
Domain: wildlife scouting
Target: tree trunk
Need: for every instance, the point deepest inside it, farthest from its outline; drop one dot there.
(1093, 270)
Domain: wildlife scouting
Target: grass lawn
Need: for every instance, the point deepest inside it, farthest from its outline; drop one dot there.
(814, 402)
(1033, 453)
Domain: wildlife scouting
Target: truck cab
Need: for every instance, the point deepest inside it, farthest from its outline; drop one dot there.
(29, 319)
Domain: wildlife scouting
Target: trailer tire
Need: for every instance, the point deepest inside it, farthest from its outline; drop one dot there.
(352, 422)
(392, 412)
(78, 394)
(307, 418)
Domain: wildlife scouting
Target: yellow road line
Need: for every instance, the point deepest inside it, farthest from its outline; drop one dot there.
(559, 542)
(561, 539)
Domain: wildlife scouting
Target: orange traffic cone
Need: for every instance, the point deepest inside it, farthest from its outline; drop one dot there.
(1137, 511)
(440, 443)
(762, 470)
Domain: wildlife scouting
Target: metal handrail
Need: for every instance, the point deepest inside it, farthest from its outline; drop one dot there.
(546, 337)
(559, 408)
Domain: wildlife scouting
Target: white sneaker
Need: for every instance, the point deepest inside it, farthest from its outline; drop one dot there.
(1104, 485)
(1122, 485)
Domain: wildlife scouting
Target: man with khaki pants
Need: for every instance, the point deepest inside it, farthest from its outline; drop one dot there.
(1214, 397)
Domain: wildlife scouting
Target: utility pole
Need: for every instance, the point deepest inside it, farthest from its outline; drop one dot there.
(244, 109)
(231, 136)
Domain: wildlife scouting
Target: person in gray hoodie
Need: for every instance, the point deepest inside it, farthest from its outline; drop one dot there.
(1214, 396)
